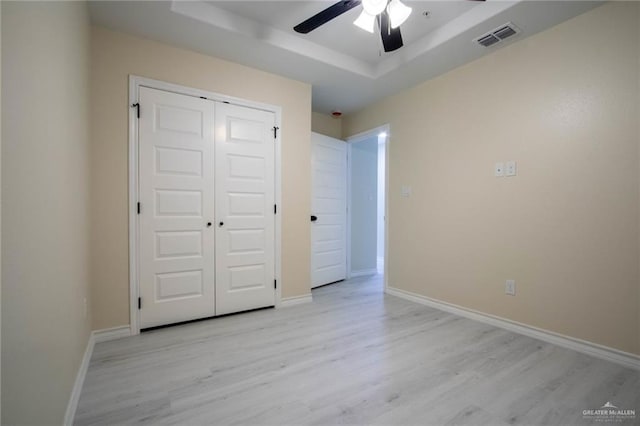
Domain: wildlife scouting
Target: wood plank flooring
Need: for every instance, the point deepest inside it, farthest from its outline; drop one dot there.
(353, 356)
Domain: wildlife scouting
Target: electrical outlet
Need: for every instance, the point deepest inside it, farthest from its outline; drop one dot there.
(498, 170)
(510, 168)
(510, 287)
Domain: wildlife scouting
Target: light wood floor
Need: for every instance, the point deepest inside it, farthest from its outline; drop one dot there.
(353, 356)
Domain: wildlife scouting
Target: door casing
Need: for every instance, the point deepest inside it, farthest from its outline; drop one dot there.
(135, 82)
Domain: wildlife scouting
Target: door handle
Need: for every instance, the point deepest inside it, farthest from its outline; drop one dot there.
(314, 218)
(208, 224)
(221, 224)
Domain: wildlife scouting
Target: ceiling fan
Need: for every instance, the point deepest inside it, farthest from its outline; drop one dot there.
(389, 14)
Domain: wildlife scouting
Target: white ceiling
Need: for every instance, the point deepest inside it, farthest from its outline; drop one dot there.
(345, 65)
(340, 34)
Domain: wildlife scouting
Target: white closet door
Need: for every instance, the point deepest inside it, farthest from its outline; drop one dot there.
(177, 203)
(329, 209)
(245, 219)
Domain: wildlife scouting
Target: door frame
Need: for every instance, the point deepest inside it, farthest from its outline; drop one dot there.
(360, 137)
(135, 82)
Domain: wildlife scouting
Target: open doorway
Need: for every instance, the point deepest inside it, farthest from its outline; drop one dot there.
(367, 193)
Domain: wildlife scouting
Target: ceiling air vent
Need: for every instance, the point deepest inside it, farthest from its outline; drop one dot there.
(497, 35)
(488, 40)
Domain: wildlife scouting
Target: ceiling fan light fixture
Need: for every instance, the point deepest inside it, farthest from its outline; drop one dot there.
(374, 7)
(398, 13)
(366, 22)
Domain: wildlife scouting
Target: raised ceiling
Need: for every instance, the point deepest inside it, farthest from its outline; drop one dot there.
(345, 65)
(340, 34)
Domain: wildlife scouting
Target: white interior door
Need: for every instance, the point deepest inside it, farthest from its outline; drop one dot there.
(245, 217)
(329, 208)
(176, 264)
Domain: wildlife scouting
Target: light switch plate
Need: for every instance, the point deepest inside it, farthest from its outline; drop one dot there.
(510, 169)
(498, 170)
(510, 287)
(406, 191)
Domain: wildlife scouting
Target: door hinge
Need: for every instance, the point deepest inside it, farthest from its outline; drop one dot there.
(137, 107)
(275, 209)
(275, 284)
(138, 208)
(139, 302)
(275, 131)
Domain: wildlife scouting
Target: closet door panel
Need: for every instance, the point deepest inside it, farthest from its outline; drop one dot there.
(176, 178)
(245, 219)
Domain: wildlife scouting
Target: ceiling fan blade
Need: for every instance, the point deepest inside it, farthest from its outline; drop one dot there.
(391, 37)
(326, 15)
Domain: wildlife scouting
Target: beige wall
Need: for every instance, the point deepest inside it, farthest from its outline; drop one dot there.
(565, 105)
(114, 57)
(326, 125)
(45, 199)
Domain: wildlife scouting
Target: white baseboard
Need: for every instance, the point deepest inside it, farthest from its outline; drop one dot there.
(296, 300)
(625, 359)
(113, 333)
(363, 272)
(77, 385)
(96, 336)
